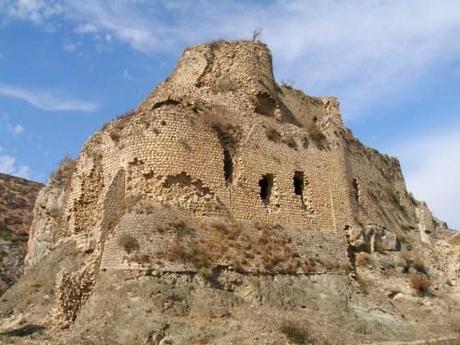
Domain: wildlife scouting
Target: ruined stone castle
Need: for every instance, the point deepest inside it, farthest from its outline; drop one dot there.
(220, 140)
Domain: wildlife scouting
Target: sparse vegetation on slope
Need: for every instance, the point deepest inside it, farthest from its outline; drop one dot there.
(17, 198)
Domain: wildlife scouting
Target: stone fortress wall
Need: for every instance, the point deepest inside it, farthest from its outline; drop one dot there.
(220, 139)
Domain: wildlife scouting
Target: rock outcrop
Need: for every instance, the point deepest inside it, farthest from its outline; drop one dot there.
(224, 194)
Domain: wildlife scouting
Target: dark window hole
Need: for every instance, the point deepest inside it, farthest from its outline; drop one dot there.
(266, 184)
(228, 166)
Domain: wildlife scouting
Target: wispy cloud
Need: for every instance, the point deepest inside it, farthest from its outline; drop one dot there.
(86, 28)
(69, 46)
(131, 22)
(431, 164)
(7, 126)
(126, 75)
(362, 51)
(36, 11)
(9, 165)
(46, 100)
(16, 129)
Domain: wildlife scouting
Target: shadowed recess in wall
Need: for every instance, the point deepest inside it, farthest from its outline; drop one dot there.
(185, 180)
(266, 185)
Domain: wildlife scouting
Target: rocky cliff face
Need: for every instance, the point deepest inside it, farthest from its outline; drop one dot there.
(16, 204)
(229, 209)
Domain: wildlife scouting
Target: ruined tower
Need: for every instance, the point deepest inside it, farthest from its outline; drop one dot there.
(218, 161)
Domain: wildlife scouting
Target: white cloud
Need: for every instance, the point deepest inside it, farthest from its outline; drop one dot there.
(86, 28)
(36, 11)
(362, 51)
(431, 163)
(17, 129)
(365, 52)
(23, 171)
(69, 46)
(45, 100)
(7, 126)
(8, 165)
(124, 20)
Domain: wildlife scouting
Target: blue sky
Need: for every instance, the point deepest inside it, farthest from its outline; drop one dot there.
(67, 67)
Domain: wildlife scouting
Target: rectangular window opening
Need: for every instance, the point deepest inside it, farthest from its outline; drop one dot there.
(299, 185)
(266, 185)
(228, 167)
(355, 190)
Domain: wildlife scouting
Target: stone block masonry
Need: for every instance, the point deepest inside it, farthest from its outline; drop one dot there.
(221, 140)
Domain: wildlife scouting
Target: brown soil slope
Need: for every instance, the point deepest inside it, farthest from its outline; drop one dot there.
(17, 198)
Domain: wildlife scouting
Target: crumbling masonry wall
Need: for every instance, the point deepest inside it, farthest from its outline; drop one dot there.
(220, 140)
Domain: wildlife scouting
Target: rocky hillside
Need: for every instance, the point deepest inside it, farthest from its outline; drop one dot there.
(228, 209)
(17, 198)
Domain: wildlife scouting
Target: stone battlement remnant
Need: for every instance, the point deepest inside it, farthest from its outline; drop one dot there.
(221, 141)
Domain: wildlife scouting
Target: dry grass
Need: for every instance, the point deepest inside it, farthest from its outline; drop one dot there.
(409, 261)
(115, 136)
(297, 332)
(305, 143)
(394, 198)
(419, 265)
(179, 227)
(401, 236)
(363, 259)
(363, 284)
(219, 118)
(226, 127)
(216, 44)
(455, 240)
(128, 243)
(401, 262)
(289, 141)
(192, 253)
(63, 174)
(225, 84)
(302, 332)
(315, 133)
(273, 135)
(117, 125)
(141, 258)
(263, 247)
(126, 206)
(378, 247)
(420, 282)
(328, 264)
(185, 144)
